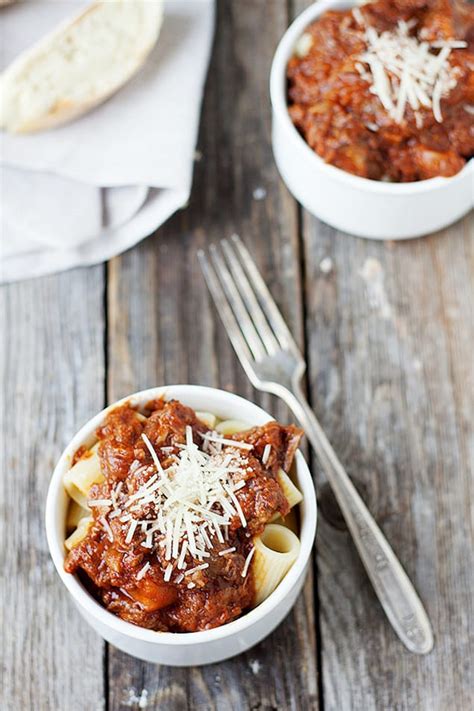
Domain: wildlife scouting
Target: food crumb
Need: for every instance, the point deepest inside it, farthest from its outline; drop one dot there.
(134, 700)
(142, 702)
(255, 666)
(259, 193)
(373, 275)
(326, 265)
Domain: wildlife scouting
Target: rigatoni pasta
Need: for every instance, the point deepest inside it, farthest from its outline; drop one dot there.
(75, 513)
(275, 552)
(292, 494)
(171, 515)
(85, 472)
(208, 418)
(230, 427)
(79, 532)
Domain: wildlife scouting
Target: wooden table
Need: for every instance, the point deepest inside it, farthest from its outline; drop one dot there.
(387, 330)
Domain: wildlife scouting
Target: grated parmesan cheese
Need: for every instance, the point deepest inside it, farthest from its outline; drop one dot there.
(406, 72)
(189, 504)
(99, 502)
(141, 573)
(266, 453)
(154, 455)
(106, 526)
(231, 442)
(131, 530)
(247, 562)
(196, 568)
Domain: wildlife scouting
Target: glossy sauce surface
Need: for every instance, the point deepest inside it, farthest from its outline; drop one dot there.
(110, 567)
(331, 105)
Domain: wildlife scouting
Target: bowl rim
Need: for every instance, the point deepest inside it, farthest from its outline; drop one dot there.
(280, 112)
(232, 403)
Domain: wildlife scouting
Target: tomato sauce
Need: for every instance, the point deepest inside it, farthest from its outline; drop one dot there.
(109, 565)
(331, 103)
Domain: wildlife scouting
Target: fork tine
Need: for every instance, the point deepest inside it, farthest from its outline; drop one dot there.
(237, 305)
(267, 303)
(246, 291)
(225, 312)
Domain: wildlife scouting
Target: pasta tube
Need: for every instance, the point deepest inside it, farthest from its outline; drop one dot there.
(208, 418)
(230, 427)
(79, 533)
(79, 479)
(275, 552)
(75, 513)
(292, 494)
(290, 521)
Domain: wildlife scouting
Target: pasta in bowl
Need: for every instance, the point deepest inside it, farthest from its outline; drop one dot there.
(182, 521)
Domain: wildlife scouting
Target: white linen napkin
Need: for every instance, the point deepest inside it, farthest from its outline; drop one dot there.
(84, 192)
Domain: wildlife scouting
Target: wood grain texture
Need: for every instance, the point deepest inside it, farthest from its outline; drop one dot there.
(387, 330)
(52, 368)
(166, 332)
(390, 332)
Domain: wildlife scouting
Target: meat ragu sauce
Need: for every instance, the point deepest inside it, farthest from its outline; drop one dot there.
(110, 562)
(333, 107)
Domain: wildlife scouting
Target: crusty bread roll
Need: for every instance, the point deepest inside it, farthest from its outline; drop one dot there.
(78, 65)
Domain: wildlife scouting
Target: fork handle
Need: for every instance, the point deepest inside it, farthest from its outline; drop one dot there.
(394, 589)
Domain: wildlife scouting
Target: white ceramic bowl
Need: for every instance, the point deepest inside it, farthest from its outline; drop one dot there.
(367, 208)
(195, 648)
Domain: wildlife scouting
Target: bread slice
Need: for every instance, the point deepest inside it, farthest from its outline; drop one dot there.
(79, 65)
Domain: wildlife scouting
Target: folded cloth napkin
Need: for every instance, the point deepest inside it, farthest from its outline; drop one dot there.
(84, 192)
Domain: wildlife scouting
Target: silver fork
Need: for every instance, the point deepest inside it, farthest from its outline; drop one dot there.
(274, 364)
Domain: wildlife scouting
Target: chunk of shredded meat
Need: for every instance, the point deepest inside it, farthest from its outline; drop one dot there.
(128, 578)
(332, 106)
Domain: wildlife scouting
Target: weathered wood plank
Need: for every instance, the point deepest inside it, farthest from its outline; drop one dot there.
(162, 329)
(389, 329)
(390, 332)
(53, 380)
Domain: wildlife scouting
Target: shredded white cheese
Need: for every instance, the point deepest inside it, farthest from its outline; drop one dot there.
(196, 568)
(404, 71)
(266, 453)
(180, 511)
(154, 455)
(131, 530)
(358, 16)
(247, 562)
(99, 502)
(230, 442)
(107, 528)
(142, 572)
